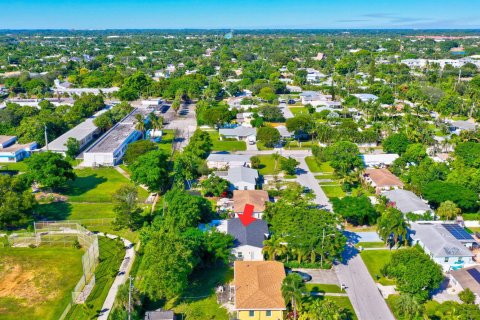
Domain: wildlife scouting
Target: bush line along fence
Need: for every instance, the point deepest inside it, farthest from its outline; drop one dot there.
(66, 233)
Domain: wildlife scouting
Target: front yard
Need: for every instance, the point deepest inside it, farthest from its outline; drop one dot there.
(223, 145)
(375, 260)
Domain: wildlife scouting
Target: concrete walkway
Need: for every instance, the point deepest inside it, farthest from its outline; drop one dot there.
(120, 279)
(361, 289)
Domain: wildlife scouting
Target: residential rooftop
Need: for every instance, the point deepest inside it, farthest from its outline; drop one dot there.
(252, 235)
(407, 201)
(257, 198)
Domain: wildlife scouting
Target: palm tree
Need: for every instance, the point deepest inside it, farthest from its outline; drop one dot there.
(139, 123)
(392, 226)
(274, 247)
(293, 290)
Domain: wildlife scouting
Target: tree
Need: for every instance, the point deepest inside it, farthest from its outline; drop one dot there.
(73, 147)
(136, 149)
(274, 247)
(267, 94)
(200, 144)
(49, 169)
(16, 201)
(152, 170)
(323, 309)
(469, 152)
(344, 157)
(437, 192)
(396, 143)
(415, 272)
(140, 123)
(407, 306)
(255, 160)
(448, 210)
(125, 207)
(293, 289)
(467, 296)
(269, 136)
(392, 227)
(289, 165)
(356, 210)
(299, 124)
(214, 186)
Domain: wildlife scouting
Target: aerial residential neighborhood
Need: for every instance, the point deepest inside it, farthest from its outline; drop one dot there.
(239, 161)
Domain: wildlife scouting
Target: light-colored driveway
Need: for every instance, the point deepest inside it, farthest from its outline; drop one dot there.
(120, 279)
(361, 289)
(287, 113)
(321, 276)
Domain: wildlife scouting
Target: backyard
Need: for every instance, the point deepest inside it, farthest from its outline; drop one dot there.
(37, 283)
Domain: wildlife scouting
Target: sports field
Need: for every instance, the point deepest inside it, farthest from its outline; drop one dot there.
(37, 283)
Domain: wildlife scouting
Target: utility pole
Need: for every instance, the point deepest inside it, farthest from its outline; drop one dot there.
(130, 299)
(46, 137)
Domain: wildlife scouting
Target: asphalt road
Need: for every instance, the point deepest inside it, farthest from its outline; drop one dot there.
(361, 289)
(287, 113)
(307, 179)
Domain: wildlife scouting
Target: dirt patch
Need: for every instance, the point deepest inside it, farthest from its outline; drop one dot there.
(18, 283)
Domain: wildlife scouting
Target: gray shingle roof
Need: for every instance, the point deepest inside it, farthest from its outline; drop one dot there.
(227, 157)
(406, 201)
(238, 131)
(242, 174)
(159, 315)
(252, 235)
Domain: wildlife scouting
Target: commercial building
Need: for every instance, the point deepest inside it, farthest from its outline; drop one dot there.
(257, 287)
(446, 243)
(84, 133)
(110, 148)
(10, 151)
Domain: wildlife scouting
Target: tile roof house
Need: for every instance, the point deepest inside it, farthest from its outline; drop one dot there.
(248, 239)
(407, 201)
(258, 290)
(257, 198)
(446, 244)
(382, 180)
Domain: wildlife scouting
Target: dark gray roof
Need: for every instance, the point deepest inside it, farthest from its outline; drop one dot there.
(159, 315)
(252, 235)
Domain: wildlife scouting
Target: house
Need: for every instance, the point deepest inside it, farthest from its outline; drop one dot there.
(159, 315)
(84, 133)
(239, 133)
(258, 290)
(242, 178)
(10, 151)
(314, 98)
(244, 118)
(227, 160)
(65, 87)
(382, 180)
(257, 198)
(294, 89)
(459, 126)
(379, 160)
(365, 97)
(110, 148)
(446, 244)
(248, 244)
(407, 201)
(284, 133)
(467, 278)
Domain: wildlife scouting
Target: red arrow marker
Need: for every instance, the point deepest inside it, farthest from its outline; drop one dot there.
(246, 218)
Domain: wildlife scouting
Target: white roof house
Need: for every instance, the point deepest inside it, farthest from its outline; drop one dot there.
(10, 151)
(379, 160)
(242, 178)
(314, 98)
(407, 201)
(239, 133)
(365, 97)
(462, 125)
(224, 160)
(65, 87)
(446, 244)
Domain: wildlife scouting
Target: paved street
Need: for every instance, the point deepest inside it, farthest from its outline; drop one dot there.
(287, 113)
(307, 179)
(282, 152)
(185, 124)
(361, 289)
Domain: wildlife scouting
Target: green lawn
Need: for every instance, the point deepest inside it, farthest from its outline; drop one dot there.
(326, 177)
(111, 256)
(371, 245)
(16, 166)
(132, 236)
(375, 260)
(97, 185)
(333, 191)
(298, 110)
(167, 141)
(328, 288)
(267, 165)
(312, 164)
(37, 283)
(294, 144)
(221, 145)
(75, 210)
(199, 301)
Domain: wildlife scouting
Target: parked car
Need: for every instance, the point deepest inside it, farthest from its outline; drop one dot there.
(305, 276)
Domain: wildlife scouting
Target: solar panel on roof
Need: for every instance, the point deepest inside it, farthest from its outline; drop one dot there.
(458, 232)
(475, 274)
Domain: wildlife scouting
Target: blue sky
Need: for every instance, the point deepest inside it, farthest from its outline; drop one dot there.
(210, 14)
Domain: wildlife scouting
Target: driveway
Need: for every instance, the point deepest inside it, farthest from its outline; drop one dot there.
(361, 289)
(287, 113)
(321, 276)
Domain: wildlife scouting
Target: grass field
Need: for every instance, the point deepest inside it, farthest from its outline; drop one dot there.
(333, 191)
(328, 288)
(167, 141)
(312, 164)
(298, 110)
(37, 283)
(111, 256)
(75, 210)
(231, 146)
(267, 165)
(371, 245)
(96, 185)
(375, 260)
(202, 285)
(17, 166)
